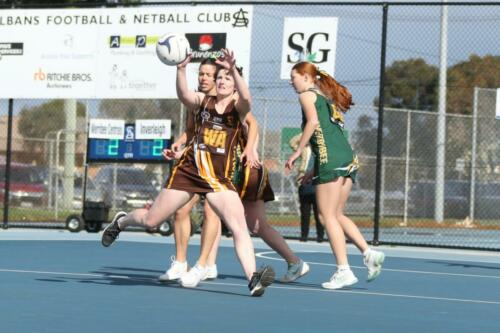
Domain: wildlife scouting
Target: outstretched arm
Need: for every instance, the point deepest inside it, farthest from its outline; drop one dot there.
(187, 97)
(244, 100)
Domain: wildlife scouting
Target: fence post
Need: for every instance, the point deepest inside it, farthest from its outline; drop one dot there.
(474, 156)
(6, 192)
(380, 129)
(407, 167)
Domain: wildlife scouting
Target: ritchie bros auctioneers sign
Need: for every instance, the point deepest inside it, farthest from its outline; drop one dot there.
(111, 52)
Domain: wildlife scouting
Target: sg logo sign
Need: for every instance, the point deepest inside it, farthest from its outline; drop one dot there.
(305, 49)
(315, 41)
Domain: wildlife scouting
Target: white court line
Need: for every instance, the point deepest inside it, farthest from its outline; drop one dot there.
(264, 256)
(271, 287)
(73, 274)
(368, 293)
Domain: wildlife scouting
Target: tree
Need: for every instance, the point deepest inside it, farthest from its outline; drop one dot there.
(411, 84)
(365, 136)
(464, 76)
(36, 122)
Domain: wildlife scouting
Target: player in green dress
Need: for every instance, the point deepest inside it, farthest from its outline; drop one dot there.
(323, 101)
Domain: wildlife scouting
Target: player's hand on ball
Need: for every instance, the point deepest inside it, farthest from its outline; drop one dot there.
(186, 61)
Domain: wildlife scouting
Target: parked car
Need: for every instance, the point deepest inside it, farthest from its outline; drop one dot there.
(92, 192)
(487, 199)
(126, 187)
(456, 198)
(27, 188)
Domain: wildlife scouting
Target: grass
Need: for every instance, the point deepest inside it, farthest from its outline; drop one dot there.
(394, 222)
(20, 214)
(32, 214)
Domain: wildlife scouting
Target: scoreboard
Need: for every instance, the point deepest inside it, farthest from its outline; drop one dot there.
(110, 141)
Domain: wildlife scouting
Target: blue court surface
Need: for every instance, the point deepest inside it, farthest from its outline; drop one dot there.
(55, 281)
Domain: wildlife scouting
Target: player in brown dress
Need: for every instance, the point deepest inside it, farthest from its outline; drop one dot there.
(255, 190)
(182, 226)
(206, 167)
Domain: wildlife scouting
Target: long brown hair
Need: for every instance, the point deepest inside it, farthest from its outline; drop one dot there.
(339, 94)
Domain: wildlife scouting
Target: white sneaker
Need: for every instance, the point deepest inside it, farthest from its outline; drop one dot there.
(211, 273)
(340, 279)
(175, 271)
(373, 261)
(191, 278)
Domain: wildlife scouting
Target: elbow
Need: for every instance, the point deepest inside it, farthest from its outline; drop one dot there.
(246, 99)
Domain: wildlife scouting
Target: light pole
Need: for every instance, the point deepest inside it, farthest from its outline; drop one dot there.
(441, 120)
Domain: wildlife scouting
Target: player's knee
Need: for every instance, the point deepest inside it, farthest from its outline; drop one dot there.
(179, 215)
(150, 221)
(237, 227)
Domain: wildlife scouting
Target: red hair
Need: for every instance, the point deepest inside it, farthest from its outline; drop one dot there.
(339, 94)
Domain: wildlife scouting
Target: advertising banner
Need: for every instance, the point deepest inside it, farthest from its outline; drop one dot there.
(111, 52)
(312, 39)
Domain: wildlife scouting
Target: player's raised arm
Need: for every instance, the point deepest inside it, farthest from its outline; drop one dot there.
(187, 97)
(244, 100)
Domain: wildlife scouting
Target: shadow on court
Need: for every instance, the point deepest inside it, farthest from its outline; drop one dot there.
(464, 265)
(110, 278)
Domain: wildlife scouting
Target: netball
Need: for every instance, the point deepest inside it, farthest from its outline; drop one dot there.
(172, 49)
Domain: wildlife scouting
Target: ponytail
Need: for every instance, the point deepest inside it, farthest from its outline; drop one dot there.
(339, 94)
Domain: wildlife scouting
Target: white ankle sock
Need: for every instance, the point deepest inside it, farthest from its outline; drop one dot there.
(343, 267)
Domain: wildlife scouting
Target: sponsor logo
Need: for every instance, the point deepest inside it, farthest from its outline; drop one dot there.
(206, 45)
(141, 41)
(137, 41)
(206, 42)
(129, 133)
(119, 80)
(11, 49)
(205, 115)
(61, 79)
(313, 48)
(238, 19)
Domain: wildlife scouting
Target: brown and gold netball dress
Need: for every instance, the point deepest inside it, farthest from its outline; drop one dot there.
(252, 184)
(208, 163)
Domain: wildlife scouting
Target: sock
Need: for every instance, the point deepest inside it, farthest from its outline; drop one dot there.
(118, 223)
(366, 252)
(343, 267)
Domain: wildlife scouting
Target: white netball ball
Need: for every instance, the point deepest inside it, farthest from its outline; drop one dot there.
(172, 48)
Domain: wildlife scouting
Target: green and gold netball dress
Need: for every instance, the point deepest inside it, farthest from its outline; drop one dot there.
(333, 154)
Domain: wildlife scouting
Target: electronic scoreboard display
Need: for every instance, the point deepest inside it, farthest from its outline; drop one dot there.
(128, 146)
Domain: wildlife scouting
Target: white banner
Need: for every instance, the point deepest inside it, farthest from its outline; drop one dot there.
(106, 128)
(152, 129)
(111, 52)
(311, 39)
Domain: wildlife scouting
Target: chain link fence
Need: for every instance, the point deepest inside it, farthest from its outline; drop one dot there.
(39, 193)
